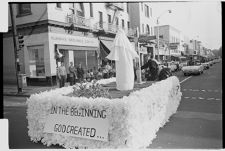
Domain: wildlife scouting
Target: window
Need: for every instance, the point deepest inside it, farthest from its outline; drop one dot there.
(128, 24)
(91, 9)
(122, 23)
(24, 9)
(127, 8)
(141, 6)
(88, 59)
(117, 21)
(58, 5)
(151, 12)
(147, 29)
(109, 18)
(36, 61)
(143, 30)
(80, 9)
(100, 19)
(146, 11)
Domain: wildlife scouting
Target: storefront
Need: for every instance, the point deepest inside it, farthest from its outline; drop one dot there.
(76, 49)
(40, 55)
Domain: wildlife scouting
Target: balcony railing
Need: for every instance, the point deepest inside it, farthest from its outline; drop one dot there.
(111, 28)
(78, 20)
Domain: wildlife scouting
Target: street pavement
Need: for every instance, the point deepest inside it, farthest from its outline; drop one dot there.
(198, 121)
(196, 125)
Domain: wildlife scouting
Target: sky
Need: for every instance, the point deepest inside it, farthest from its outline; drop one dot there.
(197, 20)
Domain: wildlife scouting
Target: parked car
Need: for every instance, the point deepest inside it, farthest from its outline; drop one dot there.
(206, 65)
(210, 63)
(197, 68)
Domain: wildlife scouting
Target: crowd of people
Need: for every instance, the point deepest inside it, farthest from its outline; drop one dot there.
(79, 74)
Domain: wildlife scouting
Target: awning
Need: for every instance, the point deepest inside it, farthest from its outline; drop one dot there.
(176, 55)
(105, 48)
(72, 47)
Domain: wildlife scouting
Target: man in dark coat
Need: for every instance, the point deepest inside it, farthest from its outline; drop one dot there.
(153, 68)
(80, 73)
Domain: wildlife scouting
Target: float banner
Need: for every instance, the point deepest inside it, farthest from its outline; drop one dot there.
(82, 122)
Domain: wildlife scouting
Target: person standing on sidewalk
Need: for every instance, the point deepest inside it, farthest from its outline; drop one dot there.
(153, 67)
(72, 73)
(62, 75)
(80, 73)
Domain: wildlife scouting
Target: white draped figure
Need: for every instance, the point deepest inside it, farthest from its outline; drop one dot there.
(123, 53)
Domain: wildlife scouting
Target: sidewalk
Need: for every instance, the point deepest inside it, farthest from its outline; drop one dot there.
(11, 90)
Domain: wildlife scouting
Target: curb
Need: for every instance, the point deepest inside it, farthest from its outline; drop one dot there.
(19, 95)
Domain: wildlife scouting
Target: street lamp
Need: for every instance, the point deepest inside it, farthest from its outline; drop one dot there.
(169, 11)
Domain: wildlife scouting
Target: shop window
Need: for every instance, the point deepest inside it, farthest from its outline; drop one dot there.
(80, 57)
(24, 9)
(36, 61)
(91, 59)
(88, 59)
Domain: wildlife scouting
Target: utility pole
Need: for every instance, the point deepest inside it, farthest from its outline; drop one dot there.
(14, 33)
(158, 39)
(138, 72)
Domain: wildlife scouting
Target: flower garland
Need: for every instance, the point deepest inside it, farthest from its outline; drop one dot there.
(133, 120)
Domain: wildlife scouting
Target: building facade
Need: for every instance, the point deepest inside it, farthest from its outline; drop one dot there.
(141, 16)
(171, 38)
(72, 29)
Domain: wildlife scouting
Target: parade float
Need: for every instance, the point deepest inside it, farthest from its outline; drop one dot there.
(110, 113)
(132, 121)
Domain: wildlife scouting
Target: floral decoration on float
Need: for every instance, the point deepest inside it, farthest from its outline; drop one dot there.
(57, 117)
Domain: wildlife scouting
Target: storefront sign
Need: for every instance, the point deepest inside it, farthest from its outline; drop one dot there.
(74, 40)
(78, 122)
(174, 45)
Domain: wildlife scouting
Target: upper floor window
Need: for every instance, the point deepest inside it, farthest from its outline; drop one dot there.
(24, 9)
(151, 12)
(109, 18)
(127, 8)
(152, 31)
(142, 6)
(123, 23)
(143, 30)
(147, 29)
(100, 19)
(146, 11)
(91, 9)
(58, 5)
(128, 24)
(80, 9)
(117, 21)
